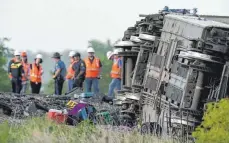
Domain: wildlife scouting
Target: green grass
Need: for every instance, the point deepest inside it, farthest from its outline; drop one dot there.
(41, 130)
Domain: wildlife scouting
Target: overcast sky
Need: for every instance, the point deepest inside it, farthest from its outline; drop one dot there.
(54, 25)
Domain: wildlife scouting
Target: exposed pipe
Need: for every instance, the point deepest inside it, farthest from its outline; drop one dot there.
(123, 72)
(129, 67)
(198, 90)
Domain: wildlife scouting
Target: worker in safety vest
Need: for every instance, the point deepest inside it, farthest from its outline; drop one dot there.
(36, 73)
(115, 72)
(93, 70)
(26, 68)
(80, 69)
(59, 73)
(9, 65)
(16, 73)
(71, 72)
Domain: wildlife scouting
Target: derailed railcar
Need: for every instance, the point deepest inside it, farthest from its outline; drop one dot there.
(188, 69)
(137, 43)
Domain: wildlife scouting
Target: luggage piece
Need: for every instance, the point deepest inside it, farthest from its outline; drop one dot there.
(57, 115)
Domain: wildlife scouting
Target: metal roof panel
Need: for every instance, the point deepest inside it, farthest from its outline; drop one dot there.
(202, 22)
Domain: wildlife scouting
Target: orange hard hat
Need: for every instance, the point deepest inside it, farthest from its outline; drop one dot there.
(23, 54)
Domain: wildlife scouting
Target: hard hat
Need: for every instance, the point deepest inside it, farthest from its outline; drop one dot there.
(16, 53)
(90, 50)
(109, 54)
(72, 54)
(23, 54)
(39, 56)
(56, 55)
(77, 54)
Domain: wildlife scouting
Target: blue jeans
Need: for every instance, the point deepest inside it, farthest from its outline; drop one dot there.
(115, 84)
(24, 87)
(70, 84)
(92, 82)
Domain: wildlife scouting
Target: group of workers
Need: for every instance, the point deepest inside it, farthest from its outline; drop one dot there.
(20, 72)
(88, 70)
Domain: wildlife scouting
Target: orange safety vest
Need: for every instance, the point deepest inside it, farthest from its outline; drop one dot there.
(92, 69)
(35, 74)
(115, 71)
(26, 71)
(71, 72)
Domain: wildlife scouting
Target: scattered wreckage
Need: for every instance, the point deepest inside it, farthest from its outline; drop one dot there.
(71, 108)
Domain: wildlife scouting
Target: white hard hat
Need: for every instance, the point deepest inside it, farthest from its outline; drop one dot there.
(17, 53)
(90, 50)
(72, 53)
(109, 54)
(39, 56)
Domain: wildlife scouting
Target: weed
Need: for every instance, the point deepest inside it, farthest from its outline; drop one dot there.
(41, 130)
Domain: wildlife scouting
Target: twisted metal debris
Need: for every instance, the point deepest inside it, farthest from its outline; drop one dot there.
(19, 107)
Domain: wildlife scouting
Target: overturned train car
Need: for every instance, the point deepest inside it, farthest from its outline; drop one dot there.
(181, 63)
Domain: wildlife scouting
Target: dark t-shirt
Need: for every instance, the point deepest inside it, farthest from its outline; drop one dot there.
(16, 69)
(78, 67)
